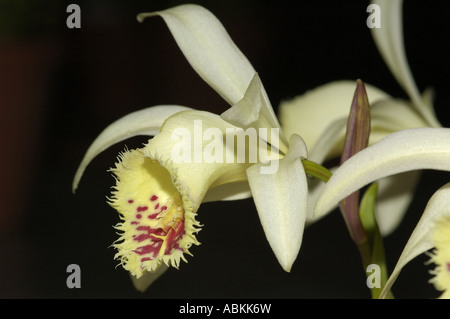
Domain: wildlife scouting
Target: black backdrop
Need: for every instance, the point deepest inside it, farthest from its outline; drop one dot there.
(60, 87)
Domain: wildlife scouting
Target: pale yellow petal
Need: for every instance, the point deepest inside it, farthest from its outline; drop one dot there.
(407, 150)
(390, 43)
(255, 110)
(395, 115)
(209, 49)
(310, 114)
(281, 201)
(141, 284)
(143, 122)
(201, 163)
(228, 192)
(395, 194)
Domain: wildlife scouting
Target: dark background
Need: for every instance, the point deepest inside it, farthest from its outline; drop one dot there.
(60, 87)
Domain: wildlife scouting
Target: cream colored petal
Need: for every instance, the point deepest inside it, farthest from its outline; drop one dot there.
(310, 114)
(407, 150)
(142, 283)
(209, 49)
(183, 147)
(143, 122)
(395, 115)
(330, 143)
(390, 43)
(228, 192)
(392, 115)
(281, 201)
(420, 240)
(255, 110)
(395, 194)
(388, 115)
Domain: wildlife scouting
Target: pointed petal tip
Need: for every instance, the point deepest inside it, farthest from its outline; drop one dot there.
(142, 283)
(286, 260)
(140, 17)
(287, 268)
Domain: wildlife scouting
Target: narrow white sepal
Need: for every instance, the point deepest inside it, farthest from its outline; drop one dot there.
(281, 201)
(395, 194)
(143, 122)
(209, 49)
(255, 110)
(390, 43)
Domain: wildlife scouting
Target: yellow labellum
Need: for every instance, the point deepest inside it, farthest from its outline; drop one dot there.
(441, 257)
(157, 225)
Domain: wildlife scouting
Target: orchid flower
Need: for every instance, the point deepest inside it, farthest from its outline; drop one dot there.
(402, 154)
(326, 109)
(158, 197)
(407, 150)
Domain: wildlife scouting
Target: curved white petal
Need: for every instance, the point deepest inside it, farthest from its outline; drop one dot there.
(195, 146)
(281, 201)
(390, 43)
(395, 193)
(387, 116)
(209, 49)
(310, 114)
(255, 110)
(143, 122)
(142, 283)
(412, 149)
(330, 143)
(420, 240)
(395, 114)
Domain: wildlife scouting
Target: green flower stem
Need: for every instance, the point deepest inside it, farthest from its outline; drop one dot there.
(375, 241)
(371, 249)
(316, 170)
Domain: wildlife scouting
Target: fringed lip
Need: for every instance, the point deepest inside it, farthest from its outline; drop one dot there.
(158, 222)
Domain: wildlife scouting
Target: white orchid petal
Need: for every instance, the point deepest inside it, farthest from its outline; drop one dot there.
(168, 179)
(395, 194)
(330, 144)
(310, 114)
(205, 162)
(142, 283)
(420, 240)
(395, 115)
(412, 149)
(209, 49)
(390, 43)
(254, 110)
(383, 122)
(428, 96)
(143, 122)
(281, 201)
(228, 192)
